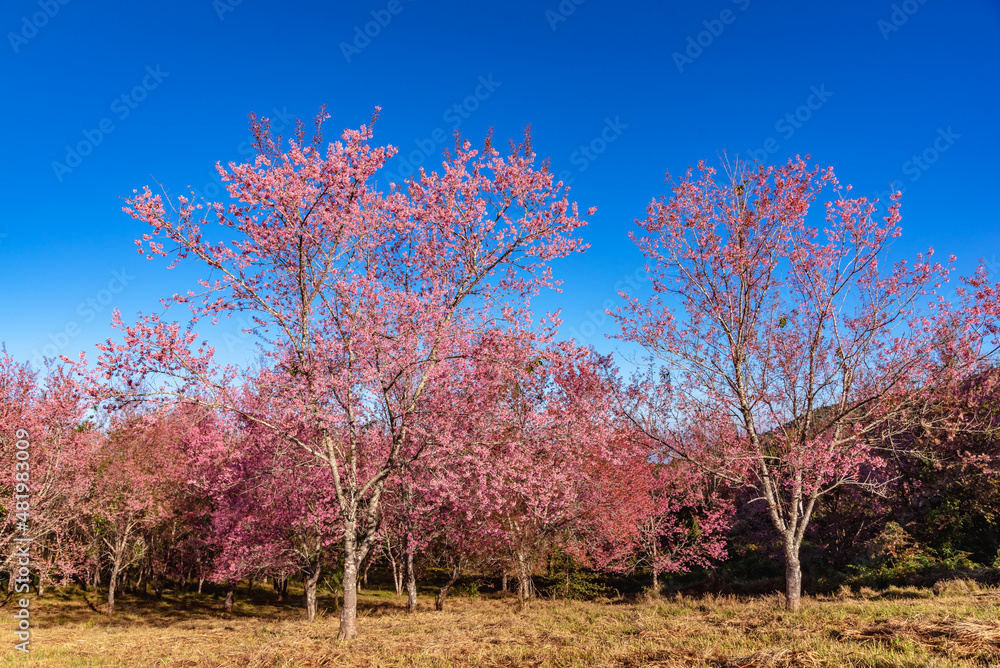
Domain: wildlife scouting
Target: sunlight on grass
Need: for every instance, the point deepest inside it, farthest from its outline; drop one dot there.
(898, 627)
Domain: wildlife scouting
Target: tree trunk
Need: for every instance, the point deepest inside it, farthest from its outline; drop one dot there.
(656, 575)
(456, 572)
(397, 575)
(349, 613)
(364, 578)
(230, 594)
(310, 598)
(793, 576)
(503, 582)
(525, 588)
(411, 583)
(112, 584)
(279, 588)
(201, 581)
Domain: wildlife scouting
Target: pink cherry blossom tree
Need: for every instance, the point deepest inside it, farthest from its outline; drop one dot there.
(137, 479)
(274, 510)
(51, 416)
(793, 344)
(668, 518)
(532, 446)
(363, 300)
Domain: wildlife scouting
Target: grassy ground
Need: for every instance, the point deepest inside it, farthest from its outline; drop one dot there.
(957, 624)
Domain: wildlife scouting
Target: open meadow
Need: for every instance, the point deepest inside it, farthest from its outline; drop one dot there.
(957, 623)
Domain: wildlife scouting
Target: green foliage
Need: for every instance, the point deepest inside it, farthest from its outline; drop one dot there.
(895, 556)
(333, 582)
(578, 585)
(566, 579)
(470, 588)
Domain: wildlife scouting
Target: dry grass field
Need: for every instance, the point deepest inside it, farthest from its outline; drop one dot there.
(955, 624)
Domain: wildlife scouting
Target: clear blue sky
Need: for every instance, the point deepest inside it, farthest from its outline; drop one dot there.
(617, 94)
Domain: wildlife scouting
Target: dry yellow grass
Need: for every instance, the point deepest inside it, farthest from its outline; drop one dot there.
(905, 627)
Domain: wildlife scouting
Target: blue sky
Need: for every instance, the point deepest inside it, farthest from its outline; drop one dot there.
(617, 94)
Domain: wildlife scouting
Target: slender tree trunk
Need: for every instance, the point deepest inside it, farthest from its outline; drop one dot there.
(456, 572)
(279, 588)
(349, 613)
(312, 579)
(397, 575)
(201, 581)
(793, 576)
(656, 575)
(503, 582)
(112, 584)
(364, 578)
(411, 582)
(230, 594)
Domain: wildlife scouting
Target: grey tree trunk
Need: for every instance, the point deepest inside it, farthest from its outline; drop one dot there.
(525, 587)
(656, 575)
(312, 579)
(230, 594)
(397, 578)
(411, 582)
(793, 576)
(112, 583)
(349, 613)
